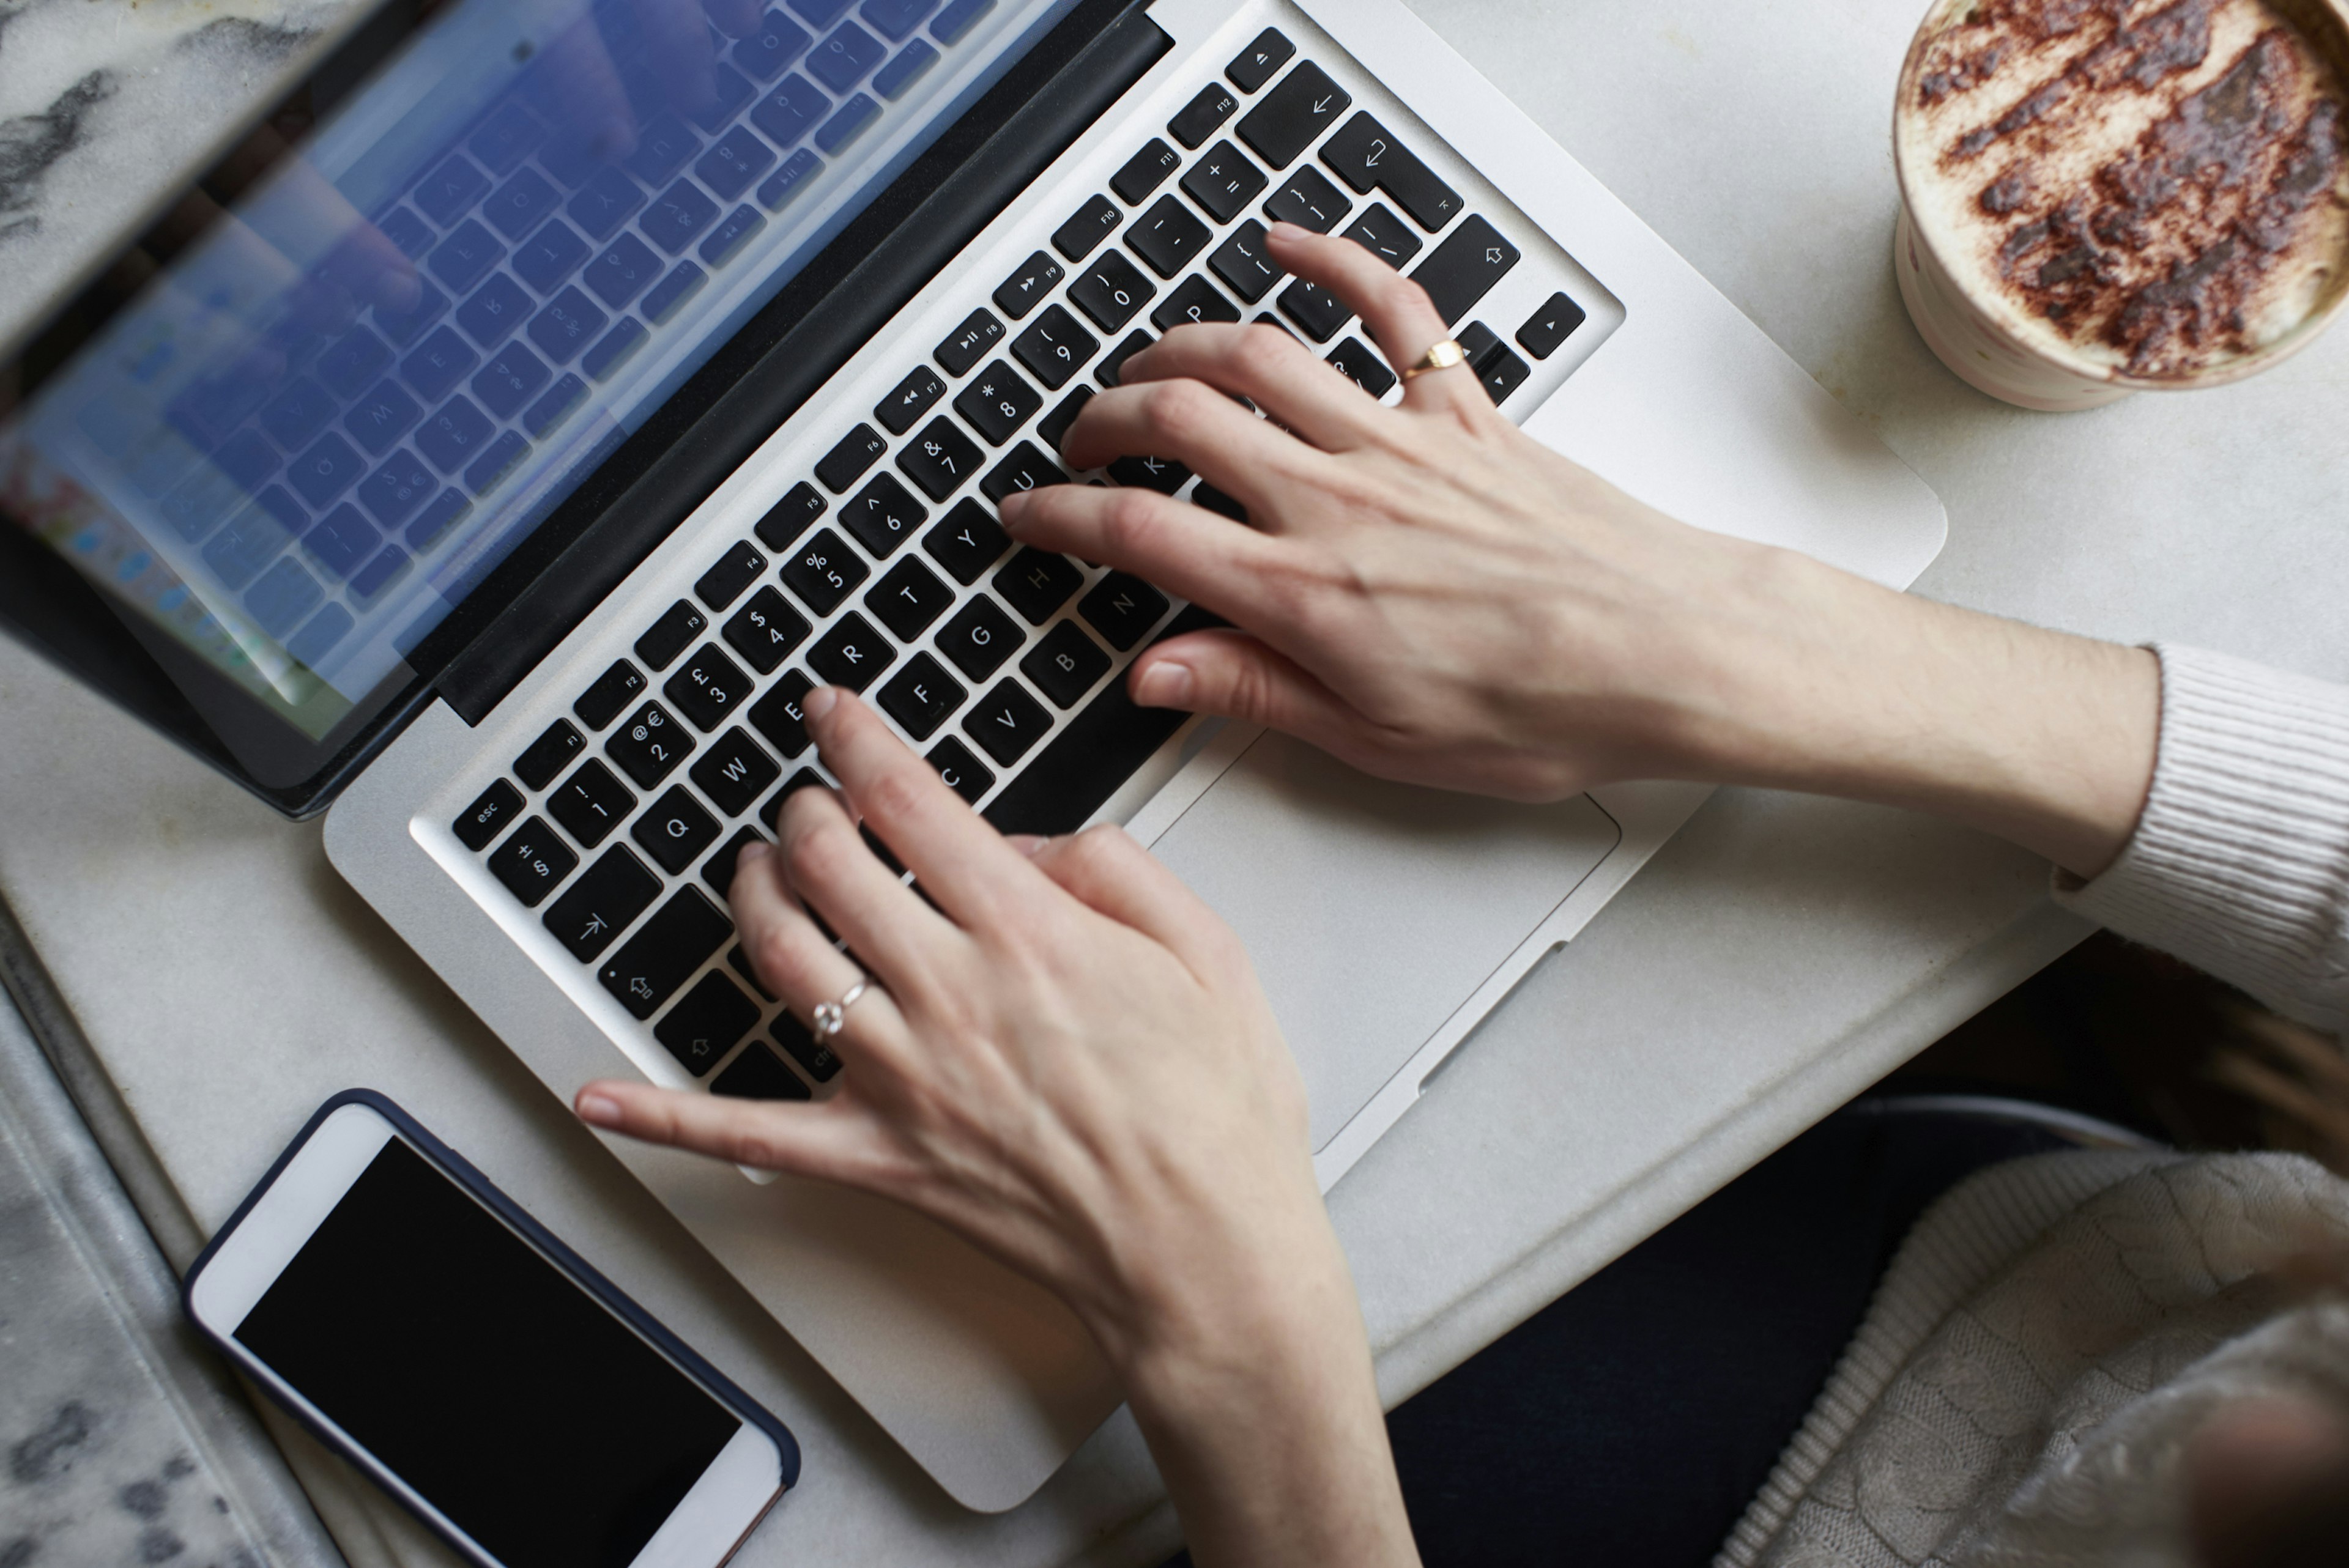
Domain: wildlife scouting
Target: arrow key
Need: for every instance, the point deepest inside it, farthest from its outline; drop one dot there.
(1293, 115)
(1466, 267)
(601, 904)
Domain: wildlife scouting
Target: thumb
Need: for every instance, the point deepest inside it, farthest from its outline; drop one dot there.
(1235, 675)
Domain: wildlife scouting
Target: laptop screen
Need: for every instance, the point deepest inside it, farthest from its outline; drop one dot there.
(331, 410)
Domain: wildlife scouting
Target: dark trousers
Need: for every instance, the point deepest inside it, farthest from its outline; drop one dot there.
(1633, 1419)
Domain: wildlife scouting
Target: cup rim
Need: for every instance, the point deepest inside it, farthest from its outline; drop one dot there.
(2004, 316)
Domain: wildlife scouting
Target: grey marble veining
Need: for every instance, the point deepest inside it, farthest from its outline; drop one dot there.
(104, 102)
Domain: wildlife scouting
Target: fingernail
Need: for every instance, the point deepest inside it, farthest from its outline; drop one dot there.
(1013, 508)
(1163, 685)
(599, 1111)
(1285, 230)
(1029, 844)
(752, 855)
(820, 702)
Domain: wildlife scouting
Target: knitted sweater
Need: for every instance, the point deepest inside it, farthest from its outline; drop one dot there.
(2056, 1329)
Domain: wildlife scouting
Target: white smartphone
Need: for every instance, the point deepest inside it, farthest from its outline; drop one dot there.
(419, 1322)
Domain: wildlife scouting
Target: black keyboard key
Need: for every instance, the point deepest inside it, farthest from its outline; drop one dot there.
(719, 871)
(546, 757)
(1224, 182)
(790, 517)
(967, 541)
(1055, 348)
(1121, 608)
(759, 1074)
(709, 688)
(765, 630)
(1384, 235)
(671, 635)
(1306, 199)
(1465, 267)
(532, 862)
(818, 1061)
(656, 960)
(806, 779)
(1253, 66)
(1065, 665)
(777, 716)
(1053, 427)
(1099, 749)
(675, 831)
(922, 696)
(705, 1025)
(884, 515)
(1167, 237)
(1145, 172)
(909, 597)
(1110, 291)
(488, 817)
(1036, 583)
(997, 402)
(1502, 372)
(1024, 467)
(1316, 309)
(614, 690)
(1550, 326)
(1030, 286)
(733, 772)
(1087, 226)
(1244, 264)
(1111, 368)
(1477, 340)
(941, 458)
(650, 745)
(1202, 115)
(852, 654)
(602, 905)
(1206, 495)
(909, 400)
(978, 333)
(964, 774)
(979, 637)
(1293, 116)
(1006, 722)
(736, 570)
(1164, 475)
(1365, 369)
(1367, 156)
(1195, 299)
(823, 571)
(846, 463)
(591, 803)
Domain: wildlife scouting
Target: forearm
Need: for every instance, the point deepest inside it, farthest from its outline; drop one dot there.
(1263, 1415)
(2041, 737)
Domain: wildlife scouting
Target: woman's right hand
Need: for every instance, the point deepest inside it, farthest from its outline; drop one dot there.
(1432, 595)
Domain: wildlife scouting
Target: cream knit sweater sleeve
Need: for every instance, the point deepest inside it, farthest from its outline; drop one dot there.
(2241, 863)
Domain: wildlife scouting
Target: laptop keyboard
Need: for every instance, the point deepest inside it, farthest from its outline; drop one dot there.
(883, 568)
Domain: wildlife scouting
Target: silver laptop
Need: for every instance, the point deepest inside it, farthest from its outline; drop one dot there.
(587, 382)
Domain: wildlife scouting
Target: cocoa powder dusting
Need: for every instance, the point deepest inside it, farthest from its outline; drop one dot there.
(2158, 252)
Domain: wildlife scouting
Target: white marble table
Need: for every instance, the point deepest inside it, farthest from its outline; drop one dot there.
(1780, 956)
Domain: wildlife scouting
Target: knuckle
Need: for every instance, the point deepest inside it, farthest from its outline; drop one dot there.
(1177, 409)
(1261, 352)
(894, 795)
(1130, 516)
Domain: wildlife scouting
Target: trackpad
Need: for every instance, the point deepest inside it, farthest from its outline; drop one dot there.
(1373, 910)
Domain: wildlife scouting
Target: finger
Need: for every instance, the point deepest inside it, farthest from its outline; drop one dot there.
(834, 873)
(1186, 550)
(833, 1140)
(1201, 428)
(593, 104)
(795, 959)
(1236, 675)
(960, 861)
(674, 37)
(1270, 370)
(1106, 870)
(1395, 309)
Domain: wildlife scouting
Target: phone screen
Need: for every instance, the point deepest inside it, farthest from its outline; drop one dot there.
(540, 1424)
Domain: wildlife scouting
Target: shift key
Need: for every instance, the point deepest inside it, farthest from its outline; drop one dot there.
(656, 960)
(1464, 268)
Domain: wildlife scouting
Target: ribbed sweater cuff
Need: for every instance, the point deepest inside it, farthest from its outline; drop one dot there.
(2241, 863)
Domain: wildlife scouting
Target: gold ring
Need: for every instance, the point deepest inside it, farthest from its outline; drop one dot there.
(1442, 356)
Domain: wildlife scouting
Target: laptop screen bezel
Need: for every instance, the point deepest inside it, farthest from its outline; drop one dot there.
(48, 604)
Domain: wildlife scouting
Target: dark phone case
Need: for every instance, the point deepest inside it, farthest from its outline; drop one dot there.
(581, 1271)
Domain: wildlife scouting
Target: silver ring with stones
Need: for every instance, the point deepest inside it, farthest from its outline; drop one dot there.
(828, 1018)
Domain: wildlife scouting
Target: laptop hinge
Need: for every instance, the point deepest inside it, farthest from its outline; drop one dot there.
(970, 176)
